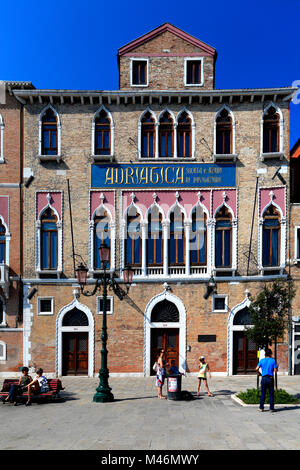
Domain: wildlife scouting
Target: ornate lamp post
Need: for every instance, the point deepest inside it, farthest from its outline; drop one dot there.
(103, 392)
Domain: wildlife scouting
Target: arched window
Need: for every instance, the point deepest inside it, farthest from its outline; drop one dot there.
(166, 135)
(2, 243)
(148, 136)
(271, 237)
(49, 240)
(133, 242)
(155, 238)
(49, 133)
(223, 238)
(271, 132)
(177, 238)
(184, 136)
(101, 235)
(102, 134)
(198, 237)
(224, 133)
(75, 317)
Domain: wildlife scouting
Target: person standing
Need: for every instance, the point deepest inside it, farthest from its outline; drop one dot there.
(203, 369)
(268, 368)
(160, 373)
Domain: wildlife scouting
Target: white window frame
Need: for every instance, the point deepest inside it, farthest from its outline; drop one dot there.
(186, 60)
(58, 124)
(3, 323)
(38, 234)
(39, 306)
(297, 254)
(138, 59)
(3, 357)
(112, 127)
(1, 139)
(221, 156)
(218, 296)
(108, 312)
(279, 154)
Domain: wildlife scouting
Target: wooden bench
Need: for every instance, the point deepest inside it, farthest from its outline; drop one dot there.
(55, 386)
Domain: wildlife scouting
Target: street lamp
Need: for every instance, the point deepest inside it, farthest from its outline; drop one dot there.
(210, 287)
(103, 392)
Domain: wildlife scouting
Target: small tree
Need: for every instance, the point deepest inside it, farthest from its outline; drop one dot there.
(269, 314)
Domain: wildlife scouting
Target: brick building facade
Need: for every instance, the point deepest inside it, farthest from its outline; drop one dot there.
(166, 169)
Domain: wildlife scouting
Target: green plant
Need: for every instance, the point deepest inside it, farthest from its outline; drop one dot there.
(252, 397)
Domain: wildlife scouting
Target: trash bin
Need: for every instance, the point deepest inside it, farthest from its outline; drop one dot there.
(174, 386)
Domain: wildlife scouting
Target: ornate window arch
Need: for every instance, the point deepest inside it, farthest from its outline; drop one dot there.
(167, 145)
(224, 243)
(271, 130)
(49, 132)
(133, 236)
(185, 134)
(103, 133)
(271, 237)
(102, 229)
(224, 132)
(155, 242)
(48, 230)
(147, 135)
(1, 139)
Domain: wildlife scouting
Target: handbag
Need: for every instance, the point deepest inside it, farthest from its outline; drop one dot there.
(155, 366)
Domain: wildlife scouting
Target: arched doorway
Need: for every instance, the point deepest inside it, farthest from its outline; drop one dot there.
(244, 349)
(75, 340)
(165, 338)
(165, 327)
(75, 344)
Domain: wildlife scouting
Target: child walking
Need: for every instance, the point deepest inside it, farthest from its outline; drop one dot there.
(203, 369)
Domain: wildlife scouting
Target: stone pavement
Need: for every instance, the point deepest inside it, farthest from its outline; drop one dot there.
(138, 420)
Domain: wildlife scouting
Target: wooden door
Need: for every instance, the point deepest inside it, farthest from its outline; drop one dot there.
(245, 354)
(167, 339)
(75, 353)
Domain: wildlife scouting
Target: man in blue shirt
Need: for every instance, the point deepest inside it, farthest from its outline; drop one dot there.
(268, 367)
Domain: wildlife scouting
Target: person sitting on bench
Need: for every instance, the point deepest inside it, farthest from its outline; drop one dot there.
(38, 385)
(18, 389)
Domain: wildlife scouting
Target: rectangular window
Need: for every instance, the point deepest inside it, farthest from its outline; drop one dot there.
(139, 72)
(194, 71)
(219, 303)
(297, 244)
(109, 305)
(45, 305)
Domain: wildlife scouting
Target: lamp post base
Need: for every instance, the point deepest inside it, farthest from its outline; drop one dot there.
(103, 397)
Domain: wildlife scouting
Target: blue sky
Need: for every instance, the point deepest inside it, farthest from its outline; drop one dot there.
(73, 44)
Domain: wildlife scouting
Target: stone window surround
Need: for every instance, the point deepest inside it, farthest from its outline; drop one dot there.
(108, 312)
(223, 296)
(3, 356)
(40, 155)
(279, 154)
(186, 60)
(3, 323)
(112, 127)
(138, 59)
(296, 251)
(39, 312)
(175, 124)
(38, 227)
(263, 270)
(233, 155)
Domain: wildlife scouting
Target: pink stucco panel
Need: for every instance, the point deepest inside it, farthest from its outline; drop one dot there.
(55, 202)
(279, 199)
(4, 209)
(218, 199)
(166, 199)
(108, 201)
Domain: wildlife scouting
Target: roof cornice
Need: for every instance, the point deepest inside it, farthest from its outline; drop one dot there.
(162, 29)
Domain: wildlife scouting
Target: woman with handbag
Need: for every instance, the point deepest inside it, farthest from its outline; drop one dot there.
(160, 373)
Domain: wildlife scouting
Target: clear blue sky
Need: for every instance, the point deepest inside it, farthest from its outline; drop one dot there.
(73, 44)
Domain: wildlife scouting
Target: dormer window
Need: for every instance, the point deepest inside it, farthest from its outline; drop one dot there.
(193, 72)
(139, 72)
